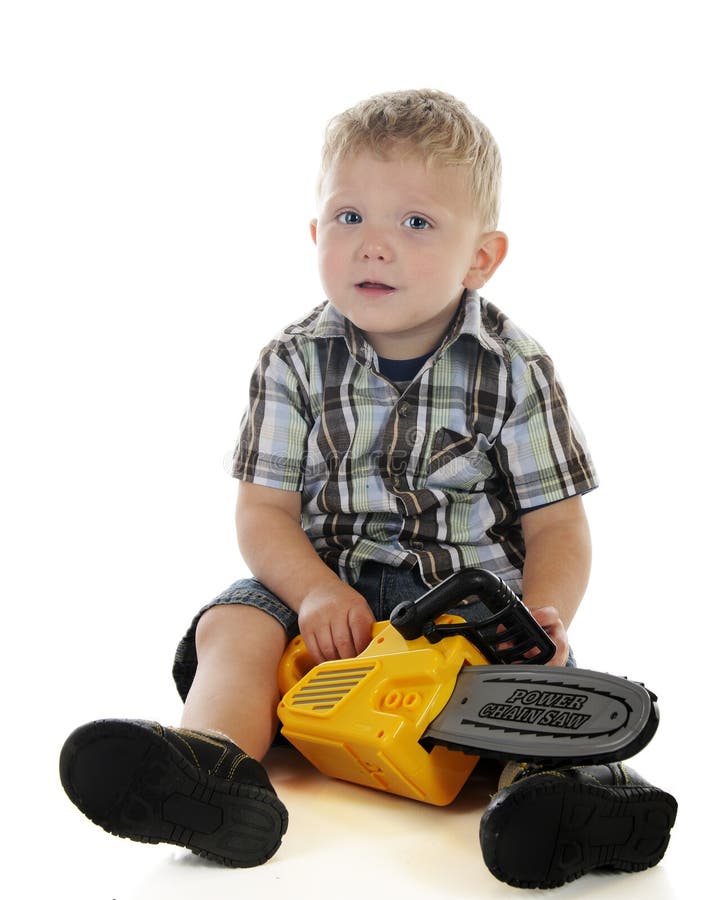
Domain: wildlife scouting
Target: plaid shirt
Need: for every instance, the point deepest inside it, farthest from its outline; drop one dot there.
(437, 476)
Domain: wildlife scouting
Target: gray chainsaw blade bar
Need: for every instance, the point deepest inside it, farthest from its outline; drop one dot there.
(545, 714)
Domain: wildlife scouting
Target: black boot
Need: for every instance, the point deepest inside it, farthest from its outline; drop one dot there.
(547, 827)
(142, 781)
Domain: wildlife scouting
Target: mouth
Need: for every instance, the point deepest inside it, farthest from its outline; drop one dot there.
(375, 287)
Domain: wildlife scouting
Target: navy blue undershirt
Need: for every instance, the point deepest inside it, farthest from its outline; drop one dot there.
(402, 370)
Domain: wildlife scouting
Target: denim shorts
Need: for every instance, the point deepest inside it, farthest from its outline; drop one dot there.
(382, 586)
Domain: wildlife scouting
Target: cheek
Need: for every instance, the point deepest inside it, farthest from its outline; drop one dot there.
(431, 266)
(450, 263)
(330, 267)
(327, 262)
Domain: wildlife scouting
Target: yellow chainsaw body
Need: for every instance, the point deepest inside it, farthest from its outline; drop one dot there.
(361, 719)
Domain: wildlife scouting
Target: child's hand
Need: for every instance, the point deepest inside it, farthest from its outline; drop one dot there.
(335, 622)
(549, 619)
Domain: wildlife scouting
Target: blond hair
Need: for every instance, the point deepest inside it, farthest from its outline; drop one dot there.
(430, 124)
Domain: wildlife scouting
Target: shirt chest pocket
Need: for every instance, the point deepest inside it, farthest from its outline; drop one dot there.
(459, 461)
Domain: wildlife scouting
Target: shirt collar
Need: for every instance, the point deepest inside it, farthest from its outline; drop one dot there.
(468, 321)
(332, 324)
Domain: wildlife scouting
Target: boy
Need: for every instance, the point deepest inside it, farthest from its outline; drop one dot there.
(403, 430)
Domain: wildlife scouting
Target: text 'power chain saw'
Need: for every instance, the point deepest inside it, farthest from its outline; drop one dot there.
(411, 714)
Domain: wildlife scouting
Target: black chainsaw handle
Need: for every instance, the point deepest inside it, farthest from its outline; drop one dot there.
(410, 617)
(413, 619)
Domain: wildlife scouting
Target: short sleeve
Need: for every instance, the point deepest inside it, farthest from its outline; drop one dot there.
(272, 442)
(541, 448)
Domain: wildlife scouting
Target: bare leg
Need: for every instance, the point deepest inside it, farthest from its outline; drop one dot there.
(235, 690)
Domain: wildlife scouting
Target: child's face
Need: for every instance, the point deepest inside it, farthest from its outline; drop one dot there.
(398, 242)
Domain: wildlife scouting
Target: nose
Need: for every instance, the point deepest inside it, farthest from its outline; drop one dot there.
(375, 246)
(374, 251)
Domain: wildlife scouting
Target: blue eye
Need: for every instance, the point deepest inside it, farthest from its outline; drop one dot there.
(349, 218)
(417, 223)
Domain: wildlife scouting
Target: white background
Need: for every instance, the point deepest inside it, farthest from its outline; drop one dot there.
(157, 166)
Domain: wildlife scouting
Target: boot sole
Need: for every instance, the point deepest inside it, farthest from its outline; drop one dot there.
(133, 783)
(546, 832)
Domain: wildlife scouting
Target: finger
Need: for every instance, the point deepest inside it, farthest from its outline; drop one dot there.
(558, 635)
(545, 615)
(503, 645)
(312, 647)
(324, 644)
(343, 641)
(360, 629)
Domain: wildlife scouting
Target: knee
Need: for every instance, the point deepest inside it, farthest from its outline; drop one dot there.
(236, 625)
(216, 621)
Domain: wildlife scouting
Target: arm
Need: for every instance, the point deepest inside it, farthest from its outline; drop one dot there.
(335, 620)
(557, 567)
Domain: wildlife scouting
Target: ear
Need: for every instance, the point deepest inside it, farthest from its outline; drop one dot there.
(489, 254)
(313, 231)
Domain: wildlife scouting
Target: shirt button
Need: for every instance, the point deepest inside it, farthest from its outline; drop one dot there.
(403, 408)
(396, 481)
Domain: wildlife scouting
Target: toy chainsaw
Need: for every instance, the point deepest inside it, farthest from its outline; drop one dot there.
(411, 714)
